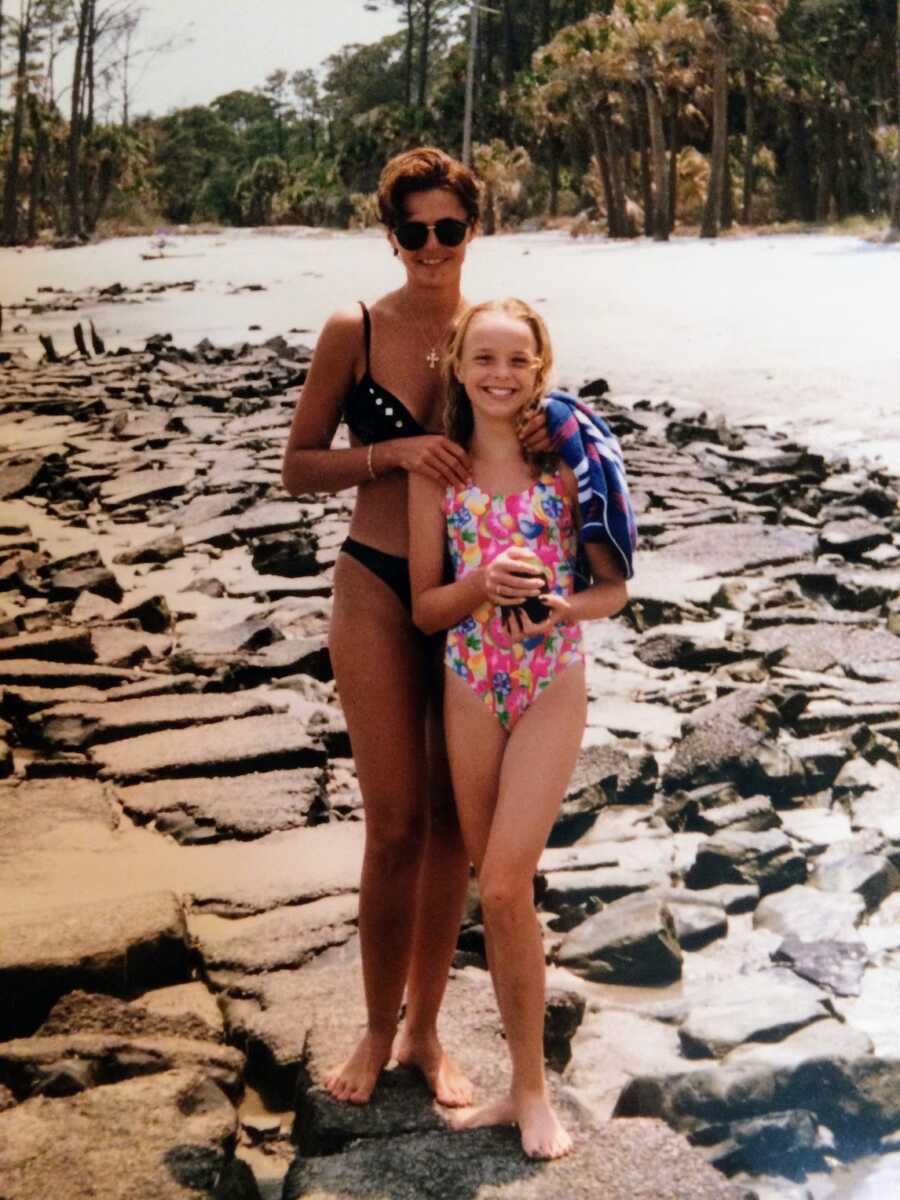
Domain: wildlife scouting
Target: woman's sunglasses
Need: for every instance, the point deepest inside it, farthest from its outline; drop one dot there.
(412, 235)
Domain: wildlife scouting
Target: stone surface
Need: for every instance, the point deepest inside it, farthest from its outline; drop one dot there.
(225, 748)
(115, 948)
(631, 941)
(837, 966)
(167, 1136)
(621, 1160)
(766, 859)
(767, 1007)
(809, 914)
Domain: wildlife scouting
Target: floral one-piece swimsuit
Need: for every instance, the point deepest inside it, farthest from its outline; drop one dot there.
(509, 676)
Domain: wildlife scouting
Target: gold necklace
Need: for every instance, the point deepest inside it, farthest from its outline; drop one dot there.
(432, 358)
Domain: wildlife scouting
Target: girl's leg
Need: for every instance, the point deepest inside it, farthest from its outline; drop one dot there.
(441, 895)
(382, 676)
(537, 764)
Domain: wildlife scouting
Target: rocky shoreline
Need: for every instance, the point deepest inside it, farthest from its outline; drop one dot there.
(181, 827)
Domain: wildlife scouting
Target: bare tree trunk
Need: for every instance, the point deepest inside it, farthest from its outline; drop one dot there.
(895, 206)
(600, 154)
(866, 154)
(644, 160)
(749, 146)
(674, 151)
(73, 184)
(710, 227)
(658, 159)
(825, 181)
(36, 183)
(11, 186)
(424, 50)
(801, 202)
(408, 53)
(617, 223)
(842, 166)
(510, 48)
(727, 193)
(554, 176)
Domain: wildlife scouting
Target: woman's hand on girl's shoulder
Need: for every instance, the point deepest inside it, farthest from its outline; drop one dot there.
(533, 433)
(431, 455)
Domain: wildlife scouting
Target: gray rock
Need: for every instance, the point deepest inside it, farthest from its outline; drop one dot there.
(621, 1160)
(852, 538)
(809, 914)
(95, 1012)
(57, 645)
(237, 1182)
(603, 775)
(165, 1136)
(131, 487)
(826, 1039)
(698, 920)
(631, 941)
(786, 1141)
(225, 747)
(24, 672)
(69, 577)
(157, 550)
(704, 552)
(569, 888)
(837, 966)
(766, 859)
(135, 943)
(563, 1013)
(871, 876)
(766, 1007)
(241, 806)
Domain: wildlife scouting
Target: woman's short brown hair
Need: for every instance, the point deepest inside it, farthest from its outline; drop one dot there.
(422, 170)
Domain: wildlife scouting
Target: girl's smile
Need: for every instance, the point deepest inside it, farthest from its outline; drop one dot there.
(498, 365)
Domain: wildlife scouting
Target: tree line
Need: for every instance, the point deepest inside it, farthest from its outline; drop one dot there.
(632, 116)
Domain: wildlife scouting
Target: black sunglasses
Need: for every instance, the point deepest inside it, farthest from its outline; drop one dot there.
(412, 235)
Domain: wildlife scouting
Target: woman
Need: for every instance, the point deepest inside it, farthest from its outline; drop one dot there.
(377, 368)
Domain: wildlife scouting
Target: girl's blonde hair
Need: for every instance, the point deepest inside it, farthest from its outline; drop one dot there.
(458, 418)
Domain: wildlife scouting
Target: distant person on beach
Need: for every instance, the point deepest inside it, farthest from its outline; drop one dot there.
(514, 702)
(376, 368)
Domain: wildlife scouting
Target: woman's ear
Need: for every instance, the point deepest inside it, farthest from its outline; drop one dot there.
(392, 242)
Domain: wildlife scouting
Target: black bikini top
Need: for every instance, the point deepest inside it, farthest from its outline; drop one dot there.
(372, 413)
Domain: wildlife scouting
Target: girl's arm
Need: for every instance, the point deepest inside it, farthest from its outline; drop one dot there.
(310, 465)
(436, 605)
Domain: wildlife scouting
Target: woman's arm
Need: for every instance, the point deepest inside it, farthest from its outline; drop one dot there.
(607, 594)
(310, 465)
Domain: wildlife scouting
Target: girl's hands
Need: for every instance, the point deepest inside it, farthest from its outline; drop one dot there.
(521, 626)
(513, 575)
(431, 455)
(533, 433)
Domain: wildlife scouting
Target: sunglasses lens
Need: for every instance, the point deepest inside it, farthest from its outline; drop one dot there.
(412, 235)
(450, 232)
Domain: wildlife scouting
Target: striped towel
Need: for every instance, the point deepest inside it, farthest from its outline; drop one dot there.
(588, 446)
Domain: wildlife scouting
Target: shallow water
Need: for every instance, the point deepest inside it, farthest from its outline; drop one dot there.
(796, 332)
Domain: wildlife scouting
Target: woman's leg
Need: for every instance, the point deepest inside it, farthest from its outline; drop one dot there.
(538, 761)
(382, 675)
(441, 894)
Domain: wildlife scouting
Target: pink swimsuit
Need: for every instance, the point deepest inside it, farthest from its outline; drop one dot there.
(509, 676)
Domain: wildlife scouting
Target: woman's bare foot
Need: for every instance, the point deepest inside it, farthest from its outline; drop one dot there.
(543, 1135)
(450, 1086)
(354, 1080)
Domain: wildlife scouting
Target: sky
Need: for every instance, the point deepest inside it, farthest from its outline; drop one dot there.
(237, 43)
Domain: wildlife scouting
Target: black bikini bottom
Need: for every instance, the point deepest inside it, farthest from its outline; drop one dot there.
(393, 569)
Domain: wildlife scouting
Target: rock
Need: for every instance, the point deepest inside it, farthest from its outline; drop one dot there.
(225, 747)
(718, 807)
(603, 775)
(69, 577)
(703, 552)
(292, 554)
(809, 914)
(698, 921)
(139, 941)
(58, 645)
(271, 941)
(631, 941)
(19, 475)
(837, 966)
(63, 1064)
(721, 743)
(563, 1013)
(780, 1141)
(852, 538)
(663, 650)
(158, 550)
(566, 889)
(131, 487)
(165, 1136)
(825, 1039)
(766, 859)
(95, 1012)
(75, 726)
(22, 672)
(872, 876)
(620, 1160)
(242, 806)
(237, 1182)
(767, 1007)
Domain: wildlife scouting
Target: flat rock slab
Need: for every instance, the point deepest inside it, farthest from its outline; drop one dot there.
(621, 1160)
(73, 726)
(224, 748)
(243, 806)
(709, 551)
(22, 672)
(765, 1008)
(632, 940)
(144, 485)
(57, 645)
(136, 943)
(167, 1136)
(810, 915)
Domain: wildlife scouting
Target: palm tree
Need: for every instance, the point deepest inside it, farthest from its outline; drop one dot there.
(894, 233)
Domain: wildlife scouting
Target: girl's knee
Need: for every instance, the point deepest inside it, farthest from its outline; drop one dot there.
(505, 895)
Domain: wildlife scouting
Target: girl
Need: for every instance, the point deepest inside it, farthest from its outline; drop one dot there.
(515, 701)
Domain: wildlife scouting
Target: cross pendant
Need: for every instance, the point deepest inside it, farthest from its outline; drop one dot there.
(432, 358)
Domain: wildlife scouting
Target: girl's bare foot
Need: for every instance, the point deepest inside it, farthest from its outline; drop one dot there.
(450, 1086)
(354, 1080)
(543, 1135)
(498, 1112)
